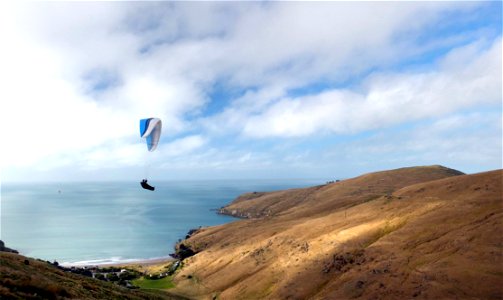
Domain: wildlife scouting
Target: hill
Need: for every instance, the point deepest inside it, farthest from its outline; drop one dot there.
(26, 278)
(422, 232)
(320, 199)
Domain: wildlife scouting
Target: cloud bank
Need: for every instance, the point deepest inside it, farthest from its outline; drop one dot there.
(247, 89)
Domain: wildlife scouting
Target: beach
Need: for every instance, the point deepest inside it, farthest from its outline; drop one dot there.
(146, 266)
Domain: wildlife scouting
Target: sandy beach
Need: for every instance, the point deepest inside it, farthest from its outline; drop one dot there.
(144, 265)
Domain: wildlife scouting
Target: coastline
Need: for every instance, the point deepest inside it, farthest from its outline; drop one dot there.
(141, 262)
(145, 266)
(121, 263)
(134, 220)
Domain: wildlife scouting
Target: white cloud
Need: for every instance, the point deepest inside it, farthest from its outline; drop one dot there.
(182, 146)
(76, 77)
(468, 142)
(47, 113)
(388, 99)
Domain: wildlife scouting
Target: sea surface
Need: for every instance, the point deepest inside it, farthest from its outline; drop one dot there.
(109, 222)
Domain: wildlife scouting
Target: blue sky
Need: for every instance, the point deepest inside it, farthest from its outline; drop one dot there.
(249, 89)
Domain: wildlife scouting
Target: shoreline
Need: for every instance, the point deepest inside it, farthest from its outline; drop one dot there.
(119, 263)
(149, 262)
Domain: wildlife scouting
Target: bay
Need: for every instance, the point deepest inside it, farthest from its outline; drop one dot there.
(109, 222)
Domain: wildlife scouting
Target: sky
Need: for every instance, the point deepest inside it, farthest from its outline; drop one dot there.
(248, 90)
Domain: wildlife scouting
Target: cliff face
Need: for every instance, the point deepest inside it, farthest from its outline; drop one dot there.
(425, 232)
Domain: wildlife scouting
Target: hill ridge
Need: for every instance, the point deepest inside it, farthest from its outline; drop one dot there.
(266, 204)
(428, 233)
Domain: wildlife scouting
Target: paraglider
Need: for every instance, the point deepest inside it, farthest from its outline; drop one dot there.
(146, 186)
(150, 130)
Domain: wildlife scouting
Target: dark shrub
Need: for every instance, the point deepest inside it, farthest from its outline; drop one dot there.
(112, 277)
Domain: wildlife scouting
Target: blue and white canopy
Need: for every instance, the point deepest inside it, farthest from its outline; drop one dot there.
(150, 129)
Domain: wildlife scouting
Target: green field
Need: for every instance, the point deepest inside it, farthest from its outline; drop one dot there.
(163, 283)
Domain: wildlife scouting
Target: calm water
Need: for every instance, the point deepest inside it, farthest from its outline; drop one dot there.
(107, 222)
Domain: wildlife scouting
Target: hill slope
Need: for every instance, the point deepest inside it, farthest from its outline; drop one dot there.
(25, 278)
(321, 199)
(421, 232)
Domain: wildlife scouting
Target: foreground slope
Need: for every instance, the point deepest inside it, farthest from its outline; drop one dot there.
(25, 278)
(424, 232)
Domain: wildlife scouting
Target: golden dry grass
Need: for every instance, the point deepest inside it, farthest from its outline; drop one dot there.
(408, 233)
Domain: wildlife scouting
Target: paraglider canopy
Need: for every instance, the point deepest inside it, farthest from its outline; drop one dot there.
(150, 129)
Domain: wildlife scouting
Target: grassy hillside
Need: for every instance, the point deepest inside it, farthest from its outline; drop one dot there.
(26, 278)
(426, 232)
(320, 199)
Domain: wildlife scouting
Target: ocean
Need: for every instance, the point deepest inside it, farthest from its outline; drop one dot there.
(110, 222)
